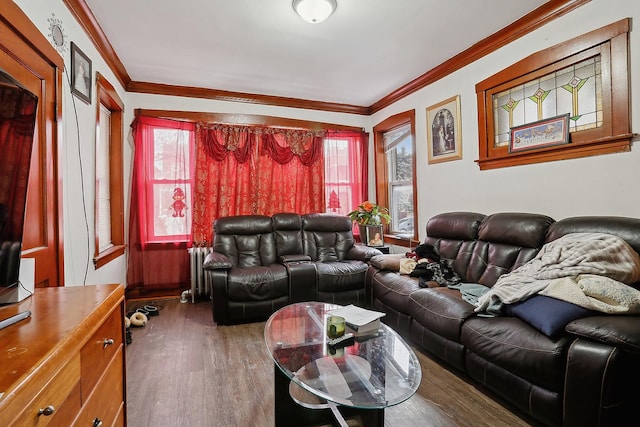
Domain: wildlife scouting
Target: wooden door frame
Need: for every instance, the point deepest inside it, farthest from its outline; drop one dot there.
(16, 21)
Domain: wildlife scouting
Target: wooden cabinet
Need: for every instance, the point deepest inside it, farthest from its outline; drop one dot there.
(64, 366)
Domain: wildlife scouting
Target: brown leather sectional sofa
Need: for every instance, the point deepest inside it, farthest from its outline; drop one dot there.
(262, 263)
(586, 376)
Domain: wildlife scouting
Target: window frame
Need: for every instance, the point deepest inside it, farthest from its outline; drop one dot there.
(614, 136)
(107, 97)
(152, 181)
(352, 184)
(383, 196)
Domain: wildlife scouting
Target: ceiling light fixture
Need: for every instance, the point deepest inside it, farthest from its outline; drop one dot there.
(314, 11)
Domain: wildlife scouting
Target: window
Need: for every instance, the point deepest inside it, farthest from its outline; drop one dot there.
(586, 77)
(345, 170)
(395, 176)
(109, 205)
(169, 163)
(103, 187)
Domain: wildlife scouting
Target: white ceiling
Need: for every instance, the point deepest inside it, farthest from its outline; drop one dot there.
(363, 52)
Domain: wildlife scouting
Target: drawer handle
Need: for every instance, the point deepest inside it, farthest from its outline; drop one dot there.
(97, 422)
(49, 410)
(107, 342)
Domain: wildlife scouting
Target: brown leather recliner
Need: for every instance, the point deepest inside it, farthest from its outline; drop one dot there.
(260, 264)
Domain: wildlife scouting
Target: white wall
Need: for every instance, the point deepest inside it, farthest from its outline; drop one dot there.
(77, 147)
(601, 185)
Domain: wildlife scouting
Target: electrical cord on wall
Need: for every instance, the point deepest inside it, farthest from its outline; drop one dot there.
(84, 204)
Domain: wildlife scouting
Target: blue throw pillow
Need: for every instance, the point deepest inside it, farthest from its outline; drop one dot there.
(546, 314)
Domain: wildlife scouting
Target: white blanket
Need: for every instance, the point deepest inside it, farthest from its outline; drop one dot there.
(597, 293)
(569, 256)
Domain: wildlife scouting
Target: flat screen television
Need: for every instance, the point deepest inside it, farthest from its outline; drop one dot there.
(18, 109)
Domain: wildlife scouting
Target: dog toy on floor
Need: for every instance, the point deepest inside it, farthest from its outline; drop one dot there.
(138, 319)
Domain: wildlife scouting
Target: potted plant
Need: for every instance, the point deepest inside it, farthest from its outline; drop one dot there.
(369, 217)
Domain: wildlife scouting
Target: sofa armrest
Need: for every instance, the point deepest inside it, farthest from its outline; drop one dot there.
(600, 384)
(286, 259)
(362, 253)
(617, 331)
(217, 261)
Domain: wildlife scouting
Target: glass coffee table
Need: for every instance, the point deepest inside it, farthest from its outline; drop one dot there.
(316, 383)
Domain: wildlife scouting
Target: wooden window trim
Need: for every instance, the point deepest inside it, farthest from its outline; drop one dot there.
(107, 96)
(381, 173)
(612, 42)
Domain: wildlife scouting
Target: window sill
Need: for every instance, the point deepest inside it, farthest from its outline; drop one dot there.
(108, 255)
(398, 240)
(609, 145)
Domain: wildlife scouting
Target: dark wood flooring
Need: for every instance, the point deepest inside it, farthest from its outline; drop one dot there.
(184, 370)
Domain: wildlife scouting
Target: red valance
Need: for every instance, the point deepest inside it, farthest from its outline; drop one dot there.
(220, 141)
(281, 145)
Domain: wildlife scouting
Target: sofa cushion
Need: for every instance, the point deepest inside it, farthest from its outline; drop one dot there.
(257, 283)
(626, 228)
(525, 230)
(340, 276)
(326, 237)
(504, 242)
(326, 254)
(287, 230)
(393, 289)
(546, 314)
(441, 310)
(512, 344)
(247, 240)
(389, 262)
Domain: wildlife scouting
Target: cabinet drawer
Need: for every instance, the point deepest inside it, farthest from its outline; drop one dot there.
(99, 350)
(105, 401)
(61, 395)
(119, 421)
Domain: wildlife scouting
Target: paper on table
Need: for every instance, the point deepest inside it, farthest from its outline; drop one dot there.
(357, 316)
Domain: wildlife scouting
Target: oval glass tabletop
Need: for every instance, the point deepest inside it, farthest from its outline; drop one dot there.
(375, 372)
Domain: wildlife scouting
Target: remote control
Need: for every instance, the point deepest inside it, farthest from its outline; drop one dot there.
(346, 339)
(14, 319)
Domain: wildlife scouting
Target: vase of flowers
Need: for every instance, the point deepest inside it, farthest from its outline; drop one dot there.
(369, 217)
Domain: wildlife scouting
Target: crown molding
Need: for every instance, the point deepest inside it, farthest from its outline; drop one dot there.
(248, 98)
(245, 120)
(535, 19)
(89, 24)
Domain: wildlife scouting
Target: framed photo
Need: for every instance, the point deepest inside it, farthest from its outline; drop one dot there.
(444, 137)
(80, 74)
(374, 235)
(543, 133)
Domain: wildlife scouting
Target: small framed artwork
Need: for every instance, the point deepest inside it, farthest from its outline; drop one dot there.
(80, 74)
(444, 136)
(375, 235)
(543, 133)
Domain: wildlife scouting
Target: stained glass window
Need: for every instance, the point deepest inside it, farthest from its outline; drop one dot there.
(576, 90)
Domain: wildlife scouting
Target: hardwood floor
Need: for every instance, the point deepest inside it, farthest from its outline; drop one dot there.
(184, 370)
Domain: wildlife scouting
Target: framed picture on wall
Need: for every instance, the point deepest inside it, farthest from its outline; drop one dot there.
(80, 74)
(444, 137)
(542, 133)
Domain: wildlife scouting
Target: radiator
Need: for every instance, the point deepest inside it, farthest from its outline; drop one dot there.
(200, 283)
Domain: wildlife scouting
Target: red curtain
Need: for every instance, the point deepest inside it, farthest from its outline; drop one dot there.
(17, 123)
(290, 173)
(242, 170)
(151, 265)
(346, 170)
(224, 172)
